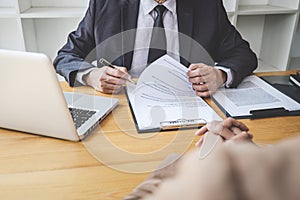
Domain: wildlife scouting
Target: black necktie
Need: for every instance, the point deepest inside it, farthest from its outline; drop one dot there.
(158, 44)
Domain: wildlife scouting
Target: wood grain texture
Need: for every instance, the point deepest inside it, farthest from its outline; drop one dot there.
(35, 167)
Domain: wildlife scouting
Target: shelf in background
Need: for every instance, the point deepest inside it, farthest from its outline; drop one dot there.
(294, 63)
(7, 12)
(272, 27)
(230, 13)
(54, 13)
(263, 10)
(230, 6)
(263, 67)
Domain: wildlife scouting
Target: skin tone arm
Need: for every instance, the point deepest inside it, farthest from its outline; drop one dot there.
(230, 130)
(205, 79)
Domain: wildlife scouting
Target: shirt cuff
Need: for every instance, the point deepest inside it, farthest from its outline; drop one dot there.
(82, 73)
(229, 75)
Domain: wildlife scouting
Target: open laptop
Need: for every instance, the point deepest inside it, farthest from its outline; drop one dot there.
(32, 100)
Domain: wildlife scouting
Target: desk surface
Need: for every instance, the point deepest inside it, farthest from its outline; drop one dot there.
(34, 167)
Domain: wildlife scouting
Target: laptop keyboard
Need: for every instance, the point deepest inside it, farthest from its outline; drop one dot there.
(80, 116)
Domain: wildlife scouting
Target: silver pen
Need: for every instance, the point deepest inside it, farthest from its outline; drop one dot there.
(106, 63)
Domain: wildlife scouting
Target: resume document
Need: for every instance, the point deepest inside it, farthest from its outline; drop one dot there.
(163, 95)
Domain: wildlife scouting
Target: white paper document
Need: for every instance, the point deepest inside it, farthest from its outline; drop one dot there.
(252, 94)
(164, 94)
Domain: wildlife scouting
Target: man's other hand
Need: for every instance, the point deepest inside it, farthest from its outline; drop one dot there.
(205, 79)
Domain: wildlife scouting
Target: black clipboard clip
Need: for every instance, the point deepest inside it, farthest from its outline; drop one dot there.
(182, 124)
(273, 112)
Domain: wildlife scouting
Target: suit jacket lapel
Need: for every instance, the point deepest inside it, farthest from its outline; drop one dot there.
(129, 16)
(185, 11)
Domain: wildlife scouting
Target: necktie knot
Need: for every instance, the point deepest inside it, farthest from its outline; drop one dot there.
(160, 9)
(158, 22)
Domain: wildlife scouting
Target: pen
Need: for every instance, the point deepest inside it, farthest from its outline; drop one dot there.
(106, 63)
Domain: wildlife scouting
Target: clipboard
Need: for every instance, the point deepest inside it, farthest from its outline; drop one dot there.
(180, 124)
(261, 113)
(272, 103)
(285, 85)
(164, 99)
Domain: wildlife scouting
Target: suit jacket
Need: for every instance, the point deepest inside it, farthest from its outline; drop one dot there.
(102, 33)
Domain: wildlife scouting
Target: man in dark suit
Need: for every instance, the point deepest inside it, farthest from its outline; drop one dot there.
(110, 29)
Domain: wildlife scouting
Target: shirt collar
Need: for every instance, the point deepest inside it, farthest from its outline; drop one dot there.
(149, 5)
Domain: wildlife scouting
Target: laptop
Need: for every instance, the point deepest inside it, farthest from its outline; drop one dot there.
(32, 100)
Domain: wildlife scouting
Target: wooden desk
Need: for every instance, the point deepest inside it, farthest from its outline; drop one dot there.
(34, 167)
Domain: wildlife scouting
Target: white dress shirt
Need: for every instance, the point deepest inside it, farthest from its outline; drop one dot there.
(145, 21)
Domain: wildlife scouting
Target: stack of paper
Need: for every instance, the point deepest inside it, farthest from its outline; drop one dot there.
(164, 95)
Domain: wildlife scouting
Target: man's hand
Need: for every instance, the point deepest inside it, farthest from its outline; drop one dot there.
(230, 130)
(205, 79)
(107, 79)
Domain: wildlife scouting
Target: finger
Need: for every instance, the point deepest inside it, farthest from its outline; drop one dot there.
(200, 87)
(200, 142)
(198, 70)
(226, 134)
(108, 85)
(230, 122)
(208, 78)
(148, 186)
(116, 90)
(215, 126)
(145, 188)
(123, 69)
(205, 83)
(236, 130)
(243, 136)
(206, 89)
(108, 88)
(118, 72)
(108, 91)
(240, 125)
(196, 66)
(207, 73)
(197, 80)
(201, 131)
(204, 94)
(213, 77)
(109, 79)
